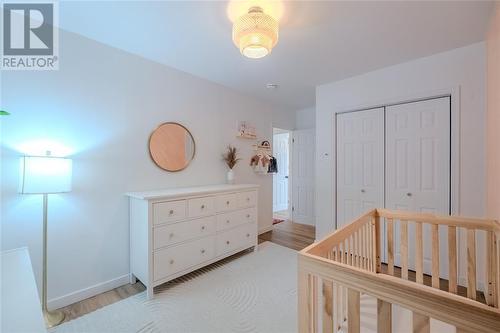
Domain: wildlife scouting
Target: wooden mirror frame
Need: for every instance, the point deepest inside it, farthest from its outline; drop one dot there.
(151, 153)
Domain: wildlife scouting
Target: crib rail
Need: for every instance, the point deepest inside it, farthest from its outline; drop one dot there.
(335, 271)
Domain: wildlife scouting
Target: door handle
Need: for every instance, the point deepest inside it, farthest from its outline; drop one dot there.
(286, 177)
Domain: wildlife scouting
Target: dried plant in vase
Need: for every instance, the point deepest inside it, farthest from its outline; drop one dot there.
(231, 159)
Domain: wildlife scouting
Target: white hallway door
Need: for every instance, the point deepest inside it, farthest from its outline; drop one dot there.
(360, 163)
(280, 179)
(302, 176)
(418, 170)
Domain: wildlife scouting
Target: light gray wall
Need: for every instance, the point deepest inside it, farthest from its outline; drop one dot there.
(305, 118)
(102, 105)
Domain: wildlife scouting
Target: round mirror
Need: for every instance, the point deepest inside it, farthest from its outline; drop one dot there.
(171, 146)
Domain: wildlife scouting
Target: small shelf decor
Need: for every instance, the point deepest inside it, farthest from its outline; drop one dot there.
(231, 159)
(246, 131)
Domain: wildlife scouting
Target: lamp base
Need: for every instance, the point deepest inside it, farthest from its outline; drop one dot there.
(53, 318)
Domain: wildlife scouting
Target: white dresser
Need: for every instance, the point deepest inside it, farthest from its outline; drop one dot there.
(176, 231)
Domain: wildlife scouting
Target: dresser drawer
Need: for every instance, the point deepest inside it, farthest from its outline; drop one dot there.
(230, 220)
(166, 235)
(247, 199)
(201, 207)
(249, 215)
(227, 202)
(178, 258)
(240, 237)
(168, 212)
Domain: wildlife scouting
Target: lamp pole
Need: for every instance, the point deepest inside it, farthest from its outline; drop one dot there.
(52, 318)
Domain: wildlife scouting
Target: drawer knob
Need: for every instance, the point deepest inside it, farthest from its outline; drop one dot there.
(408, 194)
(227, 202)
(202, 206)
(202, 227)
(248, 235)
(248, 215)
(171, 235)
(248, 199)
(171, 261)
(227, 242)
(227, 221)
(171, 212)
(203, 251)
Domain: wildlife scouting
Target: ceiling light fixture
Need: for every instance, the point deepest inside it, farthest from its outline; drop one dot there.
(271, 86)
(255, 33)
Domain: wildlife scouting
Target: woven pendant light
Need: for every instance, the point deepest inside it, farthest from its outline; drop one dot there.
(255, 33)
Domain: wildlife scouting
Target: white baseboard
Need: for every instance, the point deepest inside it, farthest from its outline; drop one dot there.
(76, 296)
(266, 229)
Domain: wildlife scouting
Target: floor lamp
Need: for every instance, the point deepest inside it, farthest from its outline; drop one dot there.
(45, 175)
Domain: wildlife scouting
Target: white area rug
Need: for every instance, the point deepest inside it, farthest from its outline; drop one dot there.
(256, 292)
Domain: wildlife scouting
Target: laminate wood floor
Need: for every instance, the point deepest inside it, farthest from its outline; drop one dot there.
(289, 234)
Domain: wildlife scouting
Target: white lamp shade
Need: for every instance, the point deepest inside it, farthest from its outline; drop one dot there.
(45, 174)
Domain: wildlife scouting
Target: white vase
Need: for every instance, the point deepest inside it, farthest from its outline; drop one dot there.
(230, 176)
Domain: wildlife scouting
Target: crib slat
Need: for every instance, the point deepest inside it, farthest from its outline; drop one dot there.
(384, 317)
(365, 246)
(327, 306)
(376, 245)
(313, 286)
(404, 249)
(353, 309)
(350, 247)
(490, 291)
(356, 251)
(336, 311)
(452, 258)
(435, 255)
(390, 246)
(496, 270)
(419, 248)
(370, 247)
(361, 248)
(421, 323)
(471, 263)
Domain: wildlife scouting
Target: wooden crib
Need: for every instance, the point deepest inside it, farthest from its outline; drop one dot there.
(334, 272)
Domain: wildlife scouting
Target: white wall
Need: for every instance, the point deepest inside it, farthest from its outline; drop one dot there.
(493, 117)
(462, 68)
(102, 105)
(305, 118)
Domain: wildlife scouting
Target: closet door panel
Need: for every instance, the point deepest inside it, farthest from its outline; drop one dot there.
(360, 163)
(418, 168)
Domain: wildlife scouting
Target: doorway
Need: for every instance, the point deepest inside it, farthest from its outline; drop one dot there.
(281, 188)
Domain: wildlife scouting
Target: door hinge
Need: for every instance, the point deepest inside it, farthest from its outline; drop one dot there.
(293, 208)
(293, 140)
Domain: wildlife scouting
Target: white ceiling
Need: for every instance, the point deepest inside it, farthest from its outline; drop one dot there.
(319, 41)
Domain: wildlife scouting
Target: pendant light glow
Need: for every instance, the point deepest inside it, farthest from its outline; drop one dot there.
(255, 33)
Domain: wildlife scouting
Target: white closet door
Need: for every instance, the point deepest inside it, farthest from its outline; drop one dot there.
(418, 169)
(302, 176)
(360, 163)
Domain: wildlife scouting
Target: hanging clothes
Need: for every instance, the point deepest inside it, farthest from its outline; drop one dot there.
(273, 165)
